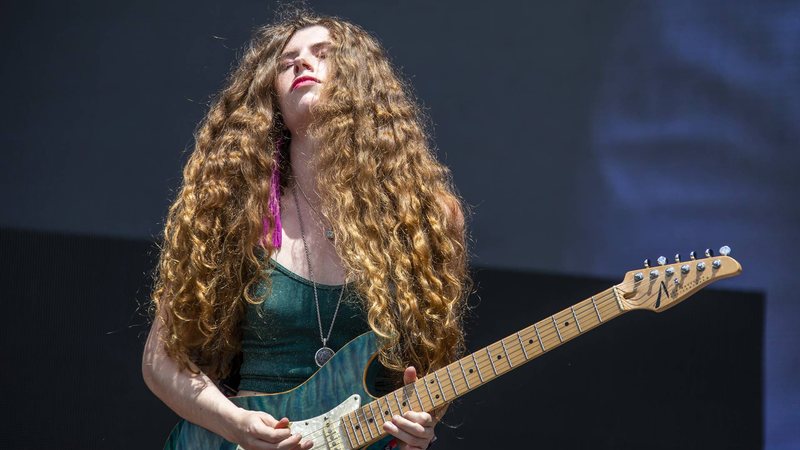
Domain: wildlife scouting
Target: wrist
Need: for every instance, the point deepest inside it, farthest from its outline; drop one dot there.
(232, 419)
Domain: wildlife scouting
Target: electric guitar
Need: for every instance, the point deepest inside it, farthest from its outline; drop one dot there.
(342, 415)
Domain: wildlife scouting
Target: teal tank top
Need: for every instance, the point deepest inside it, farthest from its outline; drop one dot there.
(281, 335)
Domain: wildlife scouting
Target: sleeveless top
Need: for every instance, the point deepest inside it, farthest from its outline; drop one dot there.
(281, 335)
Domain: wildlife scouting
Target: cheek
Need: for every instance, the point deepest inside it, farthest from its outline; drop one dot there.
(282, 84)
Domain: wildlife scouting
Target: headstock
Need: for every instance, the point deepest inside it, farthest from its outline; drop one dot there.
(665, 285)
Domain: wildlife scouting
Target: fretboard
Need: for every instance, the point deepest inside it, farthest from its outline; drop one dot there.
(365, 425)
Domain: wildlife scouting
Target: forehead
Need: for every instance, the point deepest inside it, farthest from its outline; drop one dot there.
(305, 37)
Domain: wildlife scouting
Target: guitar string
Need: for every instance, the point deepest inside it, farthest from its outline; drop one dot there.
(482, 366)
(363, 419)
(548, 337)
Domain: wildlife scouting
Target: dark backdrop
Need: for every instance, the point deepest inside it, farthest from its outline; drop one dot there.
(586, 136)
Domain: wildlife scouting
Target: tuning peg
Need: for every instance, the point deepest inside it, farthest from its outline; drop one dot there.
(646, 263)
(677, 257)
(662, 260)
(692, 256)
(724, 250)
(709, 253)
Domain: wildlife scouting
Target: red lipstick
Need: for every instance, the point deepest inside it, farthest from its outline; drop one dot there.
(302, 79)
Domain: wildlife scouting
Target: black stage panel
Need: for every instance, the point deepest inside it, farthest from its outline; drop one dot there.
(687, 378)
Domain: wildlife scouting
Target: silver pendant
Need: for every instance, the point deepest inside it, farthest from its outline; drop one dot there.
(323, 355)
(329, 233)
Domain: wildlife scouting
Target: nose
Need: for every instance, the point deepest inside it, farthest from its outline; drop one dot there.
(303, 62)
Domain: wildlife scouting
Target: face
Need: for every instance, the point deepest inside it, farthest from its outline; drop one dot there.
(302, 70)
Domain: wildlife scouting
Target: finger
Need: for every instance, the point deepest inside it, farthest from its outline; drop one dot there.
(422, 418)
(291, 443)
(267, 419)
(269, 434)
(404, 436)
(270, 430)
(411, 427)
(409, 375)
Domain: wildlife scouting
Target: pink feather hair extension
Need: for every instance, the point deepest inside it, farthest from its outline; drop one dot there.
(274, 202)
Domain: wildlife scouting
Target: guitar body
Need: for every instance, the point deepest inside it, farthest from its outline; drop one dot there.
(339, 387)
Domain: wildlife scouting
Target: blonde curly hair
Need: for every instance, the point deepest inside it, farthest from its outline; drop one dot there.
(399, 225)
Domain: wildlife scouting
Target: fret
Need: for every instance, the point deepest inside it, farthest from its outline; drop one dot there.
(477, 369)
(362, 425)
(359, 428)
(425, 383)
(539, 336)
(450, 376)
(398, 403)
(435, 376)
(347, 430)
(599, 317)
(555, 324)
(575, 316)
(464, 373)
(388, 412)
(522, 344)
(491, 361)
(374, 419)
(505, 350)
(421, 405)
(616, 296)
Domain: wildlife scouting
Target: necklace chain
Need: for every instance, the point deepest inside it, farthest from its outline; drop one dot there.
(328, 231)
(322, 337)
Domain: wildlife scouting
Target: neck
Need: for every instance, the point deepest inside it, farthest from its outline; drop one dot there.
(301, 155)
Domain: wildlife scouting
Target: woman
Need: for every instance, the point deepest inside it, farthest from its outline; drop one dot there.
(311, 176)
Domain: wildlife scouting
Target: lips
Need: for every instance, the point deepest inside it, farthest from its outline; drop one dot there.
(299, 80)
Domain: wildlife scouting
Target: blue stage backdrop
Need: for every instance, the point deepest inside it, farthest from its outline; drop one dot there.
(586, 136)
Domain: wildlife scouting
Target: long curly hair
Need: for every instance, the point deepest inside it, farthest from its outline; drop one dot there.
(398, 223)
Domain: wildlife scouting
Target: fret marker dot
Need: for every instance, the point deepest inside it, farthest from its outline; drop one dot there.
(499, 357)
(386, 413)
(370, 421)
(404, 403)
(566, 324)
(470, 370)
(530, 341)
(432, 381)
(437, 396)
(356, 427)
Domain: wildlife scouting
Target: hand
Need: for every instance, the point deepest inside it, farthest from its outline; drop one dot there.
(413, 429)
(254, 430)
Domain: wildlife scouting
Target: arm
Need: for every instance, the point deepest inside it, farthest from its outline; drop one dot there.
(195, 397)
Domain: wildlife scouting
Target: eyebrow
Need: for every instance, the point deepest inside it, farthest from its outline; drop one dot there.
(314, 47)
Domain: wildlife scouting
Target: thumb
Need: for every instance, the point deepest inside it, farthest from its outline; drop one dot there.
(409, 375)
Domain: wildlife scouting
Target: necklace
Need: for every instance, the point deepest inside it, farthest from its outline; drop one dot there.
(328, 230)
(324, 353)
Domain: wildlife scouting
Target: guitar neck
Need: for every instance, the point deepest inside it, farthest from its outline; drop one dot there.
(442, 386)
